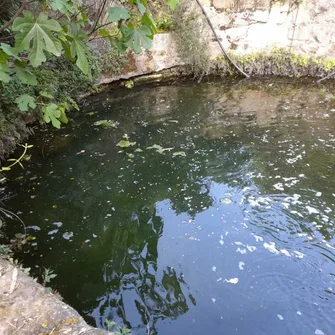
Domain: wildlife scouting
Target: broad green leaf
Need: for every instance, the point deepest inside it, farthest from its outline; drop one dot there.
(172, 3)
(51, 113)
(3, 57)
(6, 48)
(137, 38)
(141, 7)
(63, 6)
(25, 101)
(25, 75)
(4, 73)
(36, 36)
(118, 13)
(147, 20)
(46, 95)
(78, 48)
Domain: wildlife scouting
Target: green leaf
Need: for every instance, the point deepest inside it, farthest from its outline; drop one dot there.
(46, 95)
(51, 114)
(141, 7)
(73, 103)
(6, 48)
(137, 38)
(125, 144)
(36, 36)
(55, 114)
(3, 57)
(147, 20)
(25, 101)
(118, 13)
(25, 75)
(4, 73)
(78, 48)
(63, 6)
(172, 3)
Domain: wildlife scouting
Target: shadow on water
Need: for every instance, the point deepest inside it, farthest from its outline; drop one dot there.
(218, 219)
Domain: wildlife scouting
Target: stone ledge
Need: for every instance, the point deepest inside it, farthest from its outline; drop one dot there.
(26, 308)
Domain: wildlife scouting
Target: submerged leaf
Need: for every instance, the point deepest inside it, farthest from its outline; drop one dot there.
(106, 123)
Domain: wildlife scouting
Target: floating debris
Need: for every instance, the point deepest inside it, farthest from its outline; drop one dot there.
(179, 153)
(226, 201)
(52, 232)
(106, 123)
(68, 235)
(125, 144)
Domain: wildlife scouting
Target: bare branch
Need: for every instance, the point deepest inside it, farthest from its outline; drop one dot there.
(19, 11)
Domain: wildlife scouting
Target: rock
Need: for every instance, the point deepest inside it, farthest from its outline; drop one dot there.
(31, 310)
(260, 16)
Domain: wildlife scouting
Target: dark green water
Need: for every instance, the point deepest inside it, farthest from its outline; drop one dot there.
(234, 237)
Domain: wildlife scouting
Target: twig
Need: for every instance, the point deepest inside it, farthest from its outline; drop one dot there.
(19, 11)
(98, 17)
(324, 78)
(221, 46)
(100, 26)
(14, 281)
(9, 214)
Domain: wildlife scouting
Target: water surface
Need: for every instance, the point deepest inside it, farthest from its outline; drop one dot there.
(225, 226)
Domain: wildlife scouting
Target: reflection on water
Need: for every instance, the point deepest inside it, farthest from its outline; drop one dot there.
(225, 226)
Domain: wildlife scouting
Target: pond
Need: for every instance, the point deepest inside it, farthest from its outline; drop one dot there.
(207, 209)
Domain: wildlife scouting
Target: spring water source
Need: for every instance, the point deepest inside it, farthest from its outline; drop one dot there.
(200, 209)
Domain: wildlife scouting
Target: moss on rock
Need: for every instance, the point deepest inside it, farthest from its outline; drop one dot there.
(279, 62)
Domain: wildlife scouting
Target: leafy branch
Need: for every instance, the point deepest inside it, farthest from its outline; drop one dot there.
(39, 38)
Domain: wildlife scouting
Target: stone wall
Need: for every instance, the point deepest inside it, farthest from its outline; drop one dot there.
(246, 26)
